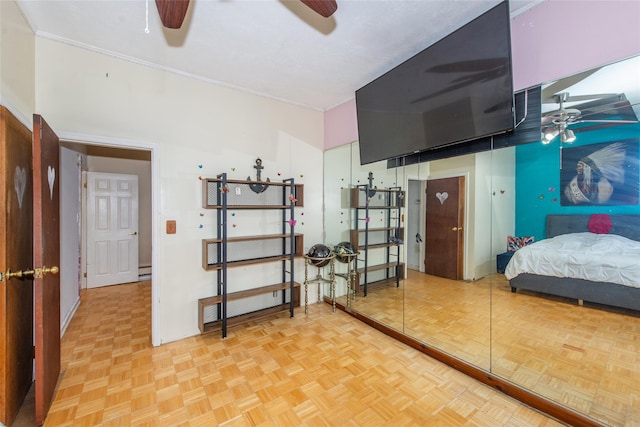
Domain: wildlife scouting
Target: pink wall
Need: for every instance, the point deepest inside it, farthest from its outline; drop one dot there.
(553, 40)
(340, 126)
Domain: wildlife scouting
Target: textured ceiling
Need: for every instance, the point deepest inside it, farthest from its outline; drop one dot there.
(280, 49)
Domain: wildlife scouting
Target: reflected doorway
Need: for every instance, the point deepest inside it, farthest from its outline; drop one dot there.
(444, 239)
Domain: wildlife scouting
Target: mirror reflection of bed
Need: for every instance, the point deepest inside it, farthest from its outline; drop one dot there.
(593, 258)
(582, 357)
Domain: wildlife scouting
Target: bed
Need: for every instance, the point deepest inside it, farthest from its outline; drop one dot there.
(616, 289)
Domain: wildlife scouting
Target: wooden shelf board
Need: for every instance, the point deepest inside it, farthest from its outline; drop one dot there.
(256, 237)
(243, 318)
(244, 181)
(257, 207)
(380, 267)
(377, 246)
(377, 207)
(231, 296)
(377, 229)
(242, 262)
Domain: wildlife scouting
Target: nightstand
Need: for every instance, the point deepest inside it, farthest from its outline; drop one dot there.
(502, 260)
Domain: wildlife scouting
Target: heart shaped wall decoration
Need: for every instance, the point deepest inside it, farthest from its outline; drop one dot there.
(20, 183)
(52, 178)
(442, 196)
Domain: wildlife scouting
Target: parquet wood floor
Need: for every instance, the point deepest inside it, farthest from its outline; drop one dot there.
(584, 357)
(319, 369)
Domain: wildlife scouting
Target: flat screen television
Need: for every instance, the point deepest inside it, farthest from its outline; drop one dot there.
(456, 90)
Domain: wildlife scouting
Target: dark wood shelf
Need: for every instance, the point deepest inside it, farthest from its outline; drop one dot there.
(377, 237)
(233, 296)
(298, 244)
(392, 265)
(223, 252)
(245, 262)
(371, 204)
(394, 199)
(381, 267)
(273, 205)
(376, 246)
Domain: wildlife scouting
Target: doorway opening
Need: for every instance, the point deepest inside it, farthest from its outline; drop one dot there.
(83, 154)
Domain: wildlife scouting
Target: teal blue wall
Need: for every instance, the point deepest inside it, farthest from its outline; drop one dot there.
(538, 190)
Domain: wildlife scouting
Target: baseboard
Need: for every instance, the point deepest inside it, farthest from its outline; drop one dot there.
(144, 269)
(67, 319)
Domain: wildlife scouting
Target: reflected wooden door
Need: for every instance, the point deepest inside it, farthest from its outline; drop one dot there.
(16, 252)
(46, 255)
(444, 248)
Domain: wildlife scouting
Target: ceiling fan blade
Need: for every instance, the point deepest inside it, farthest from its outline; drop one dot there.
(590, 125)
(591, 97)
(172, 12)
(324, 8)
(563, 84)
(615, 108)
(624, 112)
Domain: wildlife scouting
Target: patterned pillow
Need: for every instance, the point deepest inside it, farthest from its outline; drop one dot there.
(515, 243)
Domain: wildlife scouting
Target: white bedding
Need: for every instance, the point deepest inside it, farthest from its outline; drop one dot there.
(594, 257)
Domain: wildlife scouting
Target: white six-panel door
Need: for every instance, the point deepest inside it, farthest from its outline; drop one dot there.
(112, 229)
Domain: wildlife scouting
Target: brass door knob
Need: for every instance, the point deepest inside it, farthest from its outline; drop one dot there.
(19, 274)
(52, 270)
(37, 273)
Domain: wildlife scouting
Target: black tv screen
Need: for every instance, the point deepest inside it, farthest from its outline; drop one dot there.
(456, 90)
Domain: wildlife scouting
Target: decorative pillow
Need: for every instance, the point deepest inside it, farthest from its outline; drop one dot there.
(515, 243)
(599, 223)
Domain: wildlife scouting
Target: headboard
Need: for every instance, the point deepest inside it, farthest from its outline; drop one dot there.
(624, 225)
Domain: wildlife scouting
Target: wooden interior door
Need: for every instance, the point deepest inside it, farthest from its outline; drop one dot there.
(46, 256)
(444, 240)
(16, 253)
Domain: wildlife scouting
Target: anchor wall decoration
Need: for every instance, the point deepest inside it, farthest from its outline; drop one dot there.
(372, 189)
(258, 187)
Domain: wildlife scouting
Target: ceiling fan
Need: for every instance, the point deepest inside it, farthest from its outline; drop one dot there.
(607, 108)
(172, 12)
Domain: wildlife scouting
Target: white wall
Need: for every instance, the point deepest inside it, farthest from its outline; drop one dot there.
(196, 129)
(503, 205)
(17, 63)
(70, 270)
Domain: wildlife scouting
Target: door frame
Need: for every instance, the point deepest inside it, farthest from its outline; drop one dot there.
(154, 148)
(422, 212)
(465, 225)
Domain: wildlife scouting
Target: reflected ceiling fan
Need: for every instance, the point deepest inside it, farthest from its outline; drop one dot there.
(172, 12)
(607, 108)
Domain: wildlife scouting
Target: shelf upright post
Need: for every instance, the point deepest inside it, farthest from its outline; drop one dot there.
(222, 253)
(395, 204)
(388, 252)
(292, 243)
(366, 237)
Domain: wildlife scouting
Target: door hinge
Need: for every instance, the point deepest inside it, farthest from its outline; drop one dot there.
(85, 275)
